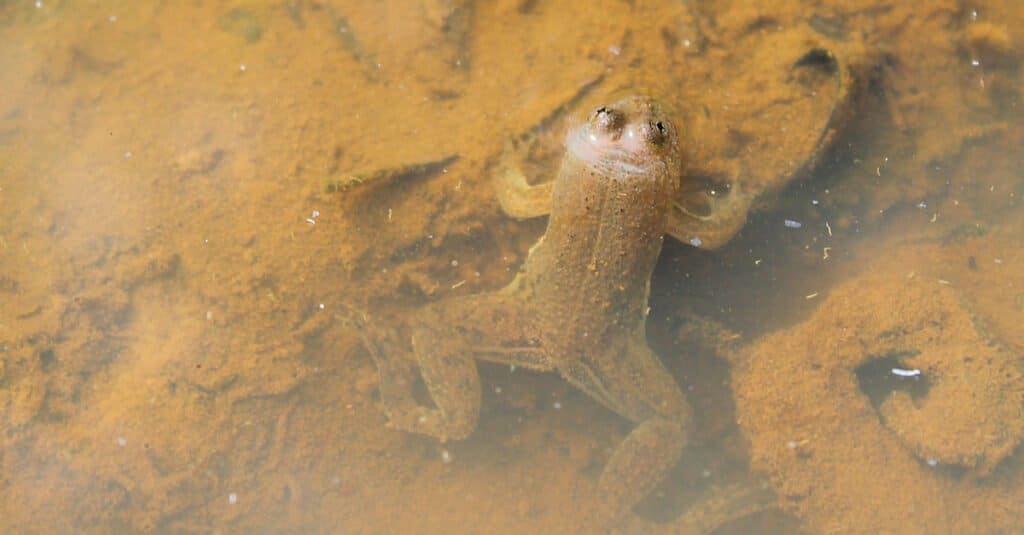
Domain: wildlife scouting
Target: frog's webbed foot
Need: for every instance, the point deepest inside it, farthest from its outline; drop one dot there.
(396, 373)
(708, 335)
(517, 197)
(709, 218)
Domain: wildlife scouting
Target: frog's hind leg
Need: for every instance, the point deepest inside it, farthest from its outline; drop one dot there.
(448, 337)
(630, 379)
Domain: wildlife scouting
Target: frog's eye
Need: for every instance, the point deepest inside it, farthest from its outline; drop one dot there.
(656, 132)
(607, 119)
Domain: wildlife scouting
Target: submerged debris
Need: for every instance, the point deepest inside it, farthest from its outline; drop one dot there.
(387, 174)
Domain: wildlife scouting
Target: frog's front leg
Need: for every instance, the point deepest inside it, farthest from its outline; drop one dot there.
(517, 197)
(725, 216)
(448, 338)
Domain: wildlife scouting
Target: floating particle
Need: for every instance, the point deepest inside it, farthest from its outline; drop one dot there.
(901, 372)
(790, 223)
(557, 405)
(232, 498)
(121, 441)
(696, 242)
(446, 457)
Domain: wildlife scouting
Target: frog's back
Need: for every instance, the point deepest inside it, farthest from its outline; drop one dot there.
(588, 278)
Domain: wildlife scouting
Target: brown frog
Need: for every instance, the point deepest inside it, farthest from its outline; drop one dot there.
(578, 305)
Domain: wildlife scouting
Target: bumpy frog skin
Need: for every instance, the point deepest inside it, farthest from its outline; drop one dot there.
(577, 306)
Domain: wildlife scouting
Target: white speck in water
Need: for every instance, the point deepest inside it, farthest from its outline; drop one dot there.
(121, 441)
(900, 372)
(790, 223)
(209, 315)
(706, 473)
(511, 368)
(128, 154)
(422, 419)
(557, 405)
(39, 4)
(321, 306)
(791, 444)
(814, 202)
(112, 18)
(975, 62)
(614, 50)
(445, 456)
(497, 390)
(455, 263)
(696, 242)
(232, 498)
(922, 205)
(932, 462)
(310, 220)
(687, 43)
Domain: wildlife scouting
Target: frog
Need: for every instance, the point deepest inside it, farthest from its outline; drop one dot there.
(577, 306)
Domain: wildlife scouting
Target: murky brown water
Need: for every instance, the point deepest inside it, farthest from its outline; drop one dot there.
(174, 355)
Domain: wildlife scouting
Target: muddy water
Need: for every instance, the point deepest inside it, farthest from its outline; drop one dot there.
(172, 267)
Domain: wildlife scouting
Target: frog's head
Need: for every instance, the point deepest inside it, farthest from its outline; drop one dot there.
(630, 136)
